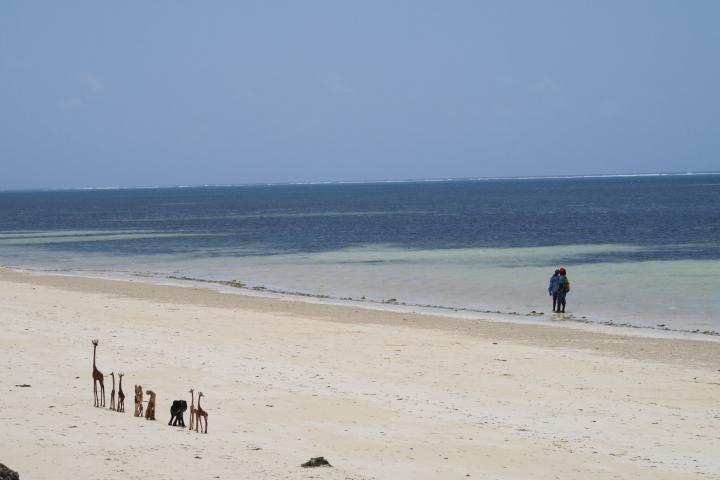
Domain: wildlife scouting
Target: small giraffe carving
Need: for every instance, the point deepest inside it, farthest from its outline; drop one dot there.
(121, 395)
(200, 415)
(150, 410)
(112, 394)
(193, 410)
(138, 401)
(97, 378)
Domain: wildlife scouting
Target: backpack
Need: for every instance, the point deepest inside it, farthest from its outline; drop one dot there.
(564, 283)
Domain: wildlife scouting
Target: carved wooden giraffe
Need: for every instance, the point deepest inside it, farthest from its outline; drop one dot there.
(112, 394)
(121, 395)
(193, 410)
(97, 378)
(200, 415)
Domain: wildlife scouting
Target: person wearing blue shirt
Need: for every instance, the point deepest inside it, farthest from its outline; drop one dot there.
(554, 287)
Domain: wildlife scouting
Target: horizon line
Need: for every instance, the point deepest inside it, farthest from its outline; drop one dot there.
(362, 182)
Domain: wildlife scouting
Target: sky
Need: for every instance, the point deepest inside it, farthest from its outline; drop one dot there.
(138, 93)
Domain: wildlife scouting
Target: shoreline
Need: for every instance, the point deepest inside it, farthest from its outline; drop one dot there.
(560, 332)
(234, 287)
(380, 394)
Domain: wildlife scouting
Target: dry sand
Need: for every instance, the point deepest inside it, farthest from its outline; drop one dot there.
(382, 395)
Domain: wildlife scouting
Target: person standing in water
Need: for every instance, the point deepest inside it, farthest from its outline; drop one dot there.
(553, 287)
(563, 289)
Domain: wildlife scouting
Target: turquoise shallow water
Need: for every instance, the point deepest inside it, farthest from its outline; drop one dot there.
(642, 251)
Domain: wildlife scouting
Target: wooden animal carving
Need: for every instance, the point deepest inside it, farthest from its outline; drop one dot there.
(138, 401)
(112, 394)
(177, 409)
(150, 410)
(200, 415)
(97, 379)
(193, 410)
(121, 395)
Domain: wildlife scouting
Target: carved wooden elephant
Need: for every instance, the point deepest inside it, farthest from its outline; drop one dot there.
(177, 409)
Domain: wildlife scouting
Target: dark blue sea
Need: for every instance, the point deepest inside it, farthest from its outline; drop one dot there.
(641, 250)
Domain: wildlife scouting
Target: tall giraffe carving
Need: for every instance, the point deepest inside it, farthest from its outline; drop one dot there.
(121, 395)
(97, 378)
(200, 415)
(193, 410)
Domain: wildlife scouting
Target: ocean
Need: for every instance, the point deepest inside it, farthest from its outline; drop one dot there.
(641, 251)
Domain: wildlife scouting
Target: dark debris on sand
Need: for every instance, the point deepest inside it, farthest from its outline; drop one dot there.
(316, 462)
(7, 474)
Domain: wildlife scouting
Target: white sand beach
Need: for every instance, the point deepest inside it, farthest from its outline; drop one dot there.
(381, 395)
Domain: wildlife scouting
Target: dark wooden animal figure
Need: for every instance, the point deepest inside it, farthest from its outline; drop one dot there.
(177, 409)
(112, 394)
(97, 378)
(121, 395)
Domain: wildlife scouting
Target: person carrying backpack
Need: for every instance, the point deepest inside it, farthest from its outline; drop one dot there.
(554, 286)
(563, 289)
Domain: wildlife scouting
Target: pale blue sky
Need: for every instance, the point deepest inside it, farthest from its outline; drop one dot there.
(164, 93)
